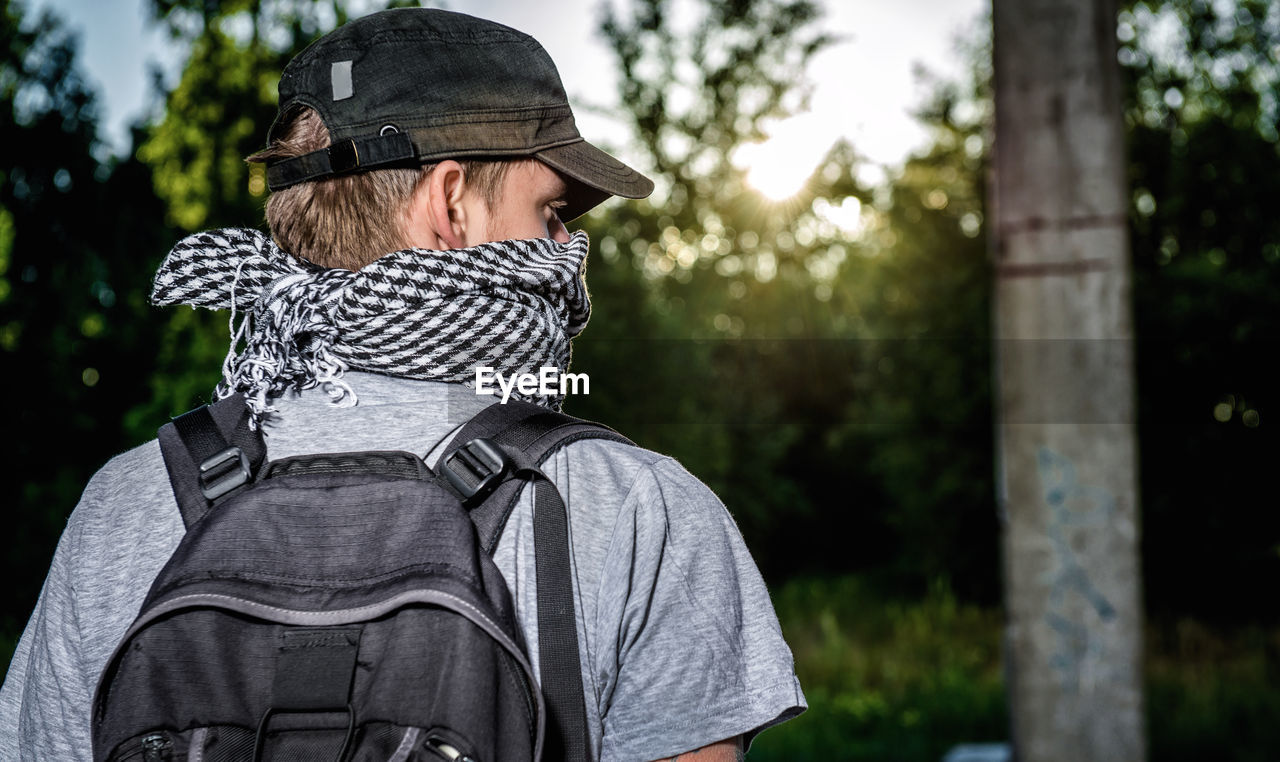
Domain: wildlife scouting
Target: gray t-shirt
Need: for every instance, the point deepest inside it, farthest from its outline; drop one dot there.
(680, 645)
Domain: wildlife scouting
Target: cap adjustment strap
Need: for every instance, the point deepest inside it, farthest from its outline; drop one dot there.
(345, 156)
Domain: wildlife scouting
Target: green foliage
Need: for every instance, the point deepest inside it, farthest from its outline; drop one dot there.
(1212, 692)
(1203, 84)
(9, 642)
(221, 107)
(708, 262)
(212, 121)
(217, 115)
(74, 333)
(884, 679)
(773, 333)
(692, 98)
(905, 681)
(920, 416)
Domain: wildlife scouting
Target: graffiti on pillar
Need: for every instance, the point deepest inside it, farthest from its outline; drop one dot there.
(1072, 507)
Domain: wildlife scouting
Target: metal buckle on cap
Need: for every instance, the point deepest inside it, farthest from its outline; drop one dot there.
(476, 469)
(224, 472)
(344, 157)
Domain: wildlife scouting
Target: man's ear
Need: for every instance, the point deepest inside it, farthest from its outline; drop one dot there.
(437, 217)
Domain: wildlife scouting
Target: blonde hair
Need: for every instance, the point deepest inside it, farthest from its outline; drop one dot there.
(348, 221)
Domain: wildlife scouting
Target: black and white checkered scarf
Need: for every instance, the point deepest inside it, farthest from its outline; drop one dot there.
(511, 305)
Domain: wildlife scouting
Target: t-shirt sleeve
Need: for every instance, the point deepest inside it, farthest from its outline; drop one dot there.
(690, 651)
(120, 534)
(44, 705)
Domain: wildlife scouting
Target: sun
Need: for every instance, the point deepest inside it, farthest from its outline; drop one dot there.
(846, 216)
(779, 167)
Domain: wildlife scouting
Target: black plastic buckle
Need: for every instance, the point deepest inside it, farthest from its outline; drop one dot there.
(476, 469)
(224, 472)
(344, 157)
(260, 739)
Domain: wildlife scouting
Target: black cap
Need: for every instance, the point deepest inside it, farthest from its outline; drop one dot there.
(417, 85)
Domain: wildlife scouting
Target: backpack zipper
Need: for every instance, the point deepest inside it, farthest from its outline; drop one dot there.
(344, 616)
(448, 752)
(157, 747)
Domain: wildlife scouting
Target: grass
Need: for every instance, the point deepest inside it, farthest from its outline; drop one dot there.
(906, 681)
(886, 680)
(1213, 694)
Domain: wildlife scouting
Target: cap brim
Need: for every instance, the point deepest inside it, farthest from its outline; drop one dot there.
(598, 177)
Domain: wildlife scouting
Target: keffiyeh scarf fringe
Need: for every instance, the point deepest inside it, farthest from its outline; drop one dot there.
(510, 305)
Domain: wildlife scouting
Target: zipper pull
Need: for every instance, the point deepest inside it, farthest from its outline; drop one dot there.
(157, 748)
(448, 751)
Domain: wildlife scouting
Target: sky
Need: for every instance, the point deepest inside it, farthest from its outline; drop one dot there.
(864, 86)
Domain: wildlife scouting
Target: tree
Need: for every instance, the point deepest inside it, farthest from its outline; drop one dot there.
(1204, 168)
(73, 281)
(832, 378)
(710, 282)
(216, 115)
(925, 304)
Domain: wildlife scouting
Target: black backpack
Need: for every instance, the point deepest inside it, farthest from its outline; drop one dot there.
(346, 606)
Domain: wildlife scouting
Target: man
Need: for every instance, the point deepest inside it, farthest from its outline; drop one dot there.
(448, 141)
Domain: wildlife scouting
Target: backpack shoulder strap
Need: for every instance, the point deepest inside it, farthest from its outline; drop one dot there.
(210, 452)
(527, 434)
(513, 440)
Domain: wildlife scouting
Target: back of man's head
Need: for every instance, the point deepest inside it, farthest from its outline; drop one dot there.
(352, 219)
(368, 110)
